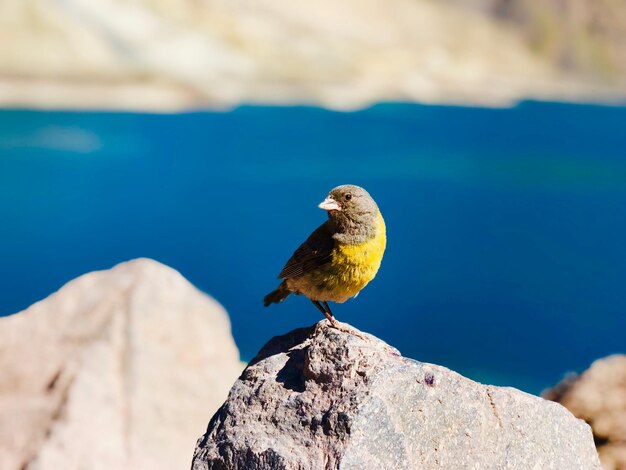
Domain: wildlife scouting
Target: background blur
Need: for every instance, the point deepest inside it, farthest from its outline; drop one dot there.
(204, 133)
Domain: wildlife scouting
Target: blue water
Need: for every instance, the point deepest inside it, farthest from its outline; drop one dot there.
(506, 256)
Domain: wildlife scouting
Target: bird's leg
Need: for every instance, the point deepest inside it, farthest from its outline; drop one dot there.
(319, 306)
(328, 315)
(337, 325)
(331, 318)
(325, 304)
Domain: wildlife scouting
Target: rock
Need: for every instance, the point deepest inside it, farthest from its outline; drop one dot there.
(119, 369)
(320, 398)
(598, 396)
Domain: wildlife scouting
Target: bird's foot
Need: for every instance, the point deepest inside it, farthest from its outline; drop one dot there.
(334, 323)
(345, 328)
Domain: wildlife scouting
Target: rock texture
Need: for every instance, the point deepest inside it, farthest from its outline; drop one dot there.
(320, 398)
(120, 369)
(172, 54)
(599, 397)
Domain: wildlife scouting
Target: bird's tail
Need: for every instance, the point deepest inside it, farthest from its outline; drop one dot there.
(278, 295)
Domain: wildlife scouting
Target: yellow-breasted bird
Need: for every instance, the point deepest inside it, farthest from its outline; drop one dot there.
(341, 256)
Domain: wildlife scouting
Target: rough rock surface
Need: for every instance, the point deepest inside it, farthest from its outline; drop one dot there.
(599, 397)
(320, 398)
(120, 369)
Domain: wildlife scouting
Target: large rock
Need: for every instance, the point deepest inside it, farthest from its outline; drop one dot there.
(320, 398)
(599, 397)
(120, 369)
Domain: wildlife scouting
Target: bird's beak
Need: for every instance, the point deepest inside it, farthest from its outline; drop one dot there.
(329, 204)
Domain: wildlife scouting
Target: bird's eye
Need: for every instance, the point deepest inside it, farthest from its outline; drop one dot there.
(348, 196)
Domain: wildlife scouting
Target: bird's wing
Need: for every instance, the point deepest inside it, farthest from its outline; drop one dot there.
(313, 253)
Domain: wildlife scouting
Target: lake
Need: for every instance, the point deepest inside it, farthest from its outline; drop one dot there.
(506, 255)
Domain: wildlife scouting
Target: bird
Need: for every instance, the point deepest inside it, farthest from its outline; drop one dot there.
(340, 257)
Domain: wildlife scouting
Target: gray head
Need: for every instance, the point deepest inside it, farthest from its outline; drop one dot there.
(352, 213)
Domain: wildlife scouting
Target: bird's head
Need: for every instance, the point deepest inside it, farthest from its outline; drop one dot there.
(351, 209)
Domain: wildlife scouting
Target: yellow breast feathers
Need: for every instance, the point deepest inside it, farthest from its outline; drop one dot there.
(358, 264)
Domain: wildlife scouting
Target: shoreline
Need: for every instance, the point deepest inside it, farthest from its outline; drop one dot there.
(162, 97)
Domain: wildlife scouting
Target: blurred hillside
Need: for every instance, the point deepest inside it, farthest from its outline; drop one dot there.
(579, 36)
(173, 54)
